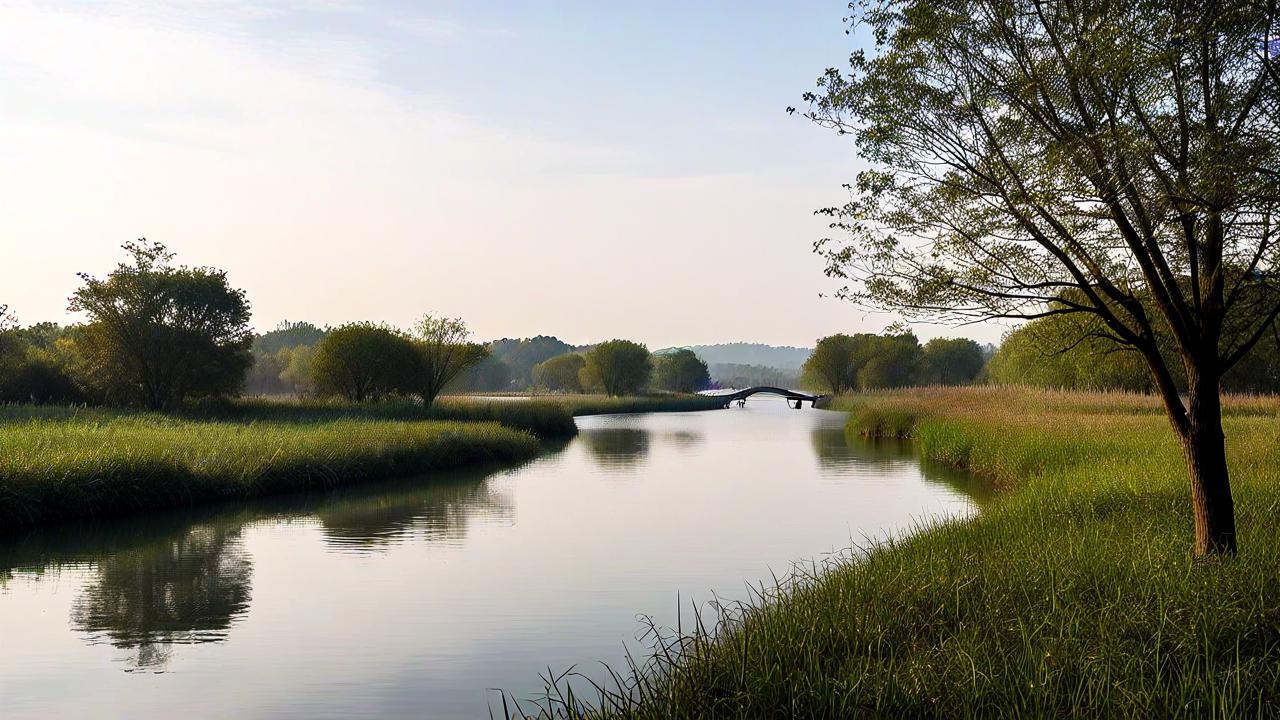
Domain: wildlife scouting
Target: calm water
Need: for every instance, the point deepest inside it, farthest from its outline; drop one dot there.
(414, 599)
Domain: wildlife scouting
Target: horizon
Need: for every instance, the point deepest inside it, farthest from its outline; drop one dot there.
(378, 162)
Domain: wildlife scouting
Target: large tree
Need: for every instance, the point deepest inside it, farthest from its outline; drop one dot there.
(1031, 158)
(158, 333)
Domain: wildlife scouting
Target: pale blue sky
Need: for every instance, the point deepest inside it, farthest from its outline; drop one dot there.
(581, 169)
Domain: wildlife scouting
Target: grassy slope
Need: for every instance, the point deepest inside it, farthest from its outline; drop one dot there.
(59, 464)
(1073, 593)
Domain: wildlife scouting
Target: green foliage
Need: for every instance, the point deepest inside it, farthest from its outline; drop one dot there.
(887, 361)
(831, 367)
(560, 373)
(157, 334)
(59, 464)
(1050, 353)
(443, 354)
(510, 364)
(364, 361)
(35, 365)
(680, 371)
(618, 367)
(951, 361)
(841, 363)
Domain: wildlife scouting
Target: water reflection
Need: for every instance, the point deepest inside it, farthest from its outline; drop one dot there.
(431, 511)
(845, 454)
(683, 439)
(411, 598)
(180, 578)
(617, 448)
(178, 589)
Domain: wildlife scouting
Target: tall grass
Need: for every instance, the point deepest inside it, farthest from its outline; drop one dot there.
(546, 416)
(59, 464)
(1073, 594)
(543, 418)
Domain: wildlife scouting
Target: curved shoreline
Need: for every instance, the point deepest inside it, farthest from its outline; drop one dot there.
(1073, 593)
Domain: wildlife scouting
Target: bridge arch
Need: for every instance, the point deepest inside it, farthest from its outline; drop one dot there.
(740, 396)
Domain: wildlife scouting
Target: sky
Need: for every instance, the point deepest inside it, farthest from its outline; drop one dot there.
(588, 170)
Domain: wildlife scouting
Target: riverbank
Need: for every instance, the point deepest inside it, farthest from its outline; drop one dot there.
(1073, 593)
(59, 464)
(548, 417)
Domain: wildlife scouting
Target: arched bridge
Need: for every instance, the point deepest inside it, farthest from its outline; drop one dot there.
(740, 396)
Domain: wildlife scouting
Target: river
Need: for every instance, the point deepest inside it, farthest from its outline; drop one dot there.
(418, 598)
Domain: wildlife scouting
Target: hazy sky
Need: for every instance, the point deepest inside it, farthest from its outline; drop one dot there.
(587, 170)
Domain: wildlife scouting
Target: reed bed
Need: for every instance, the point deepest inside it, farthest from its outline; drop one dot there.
(1073, 594)
(61, 464)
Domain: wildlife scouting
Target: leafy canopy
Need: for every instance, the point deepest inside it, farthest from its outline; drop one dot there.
(156, 334)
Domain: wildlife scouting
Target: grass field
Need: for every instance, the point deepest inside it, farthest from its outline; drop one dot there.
(1073, 593)
(60, 464)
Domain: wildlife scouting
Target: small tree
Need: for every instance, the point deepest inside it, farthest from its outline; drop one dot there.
(363, 361)
(619, 367)
(444, 354)
(158, 333)
(680, 371)
(560, 373)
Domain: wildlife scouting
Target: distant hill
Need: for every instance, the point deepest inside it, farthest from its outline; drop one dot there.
(737, 375)
(742, 353)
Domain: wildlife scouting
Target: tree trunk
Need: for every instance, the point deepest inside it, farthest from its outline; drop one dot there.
(1204, 446)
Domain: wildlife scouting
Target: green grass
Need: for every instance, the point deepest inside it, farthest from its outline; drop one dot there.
(61, 464)
(1072, 594)
(543, 418)
(546, 416)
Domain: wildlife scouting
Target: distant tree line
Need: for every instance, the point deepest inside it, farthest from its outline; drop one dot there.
(865, 361)
(157, 334)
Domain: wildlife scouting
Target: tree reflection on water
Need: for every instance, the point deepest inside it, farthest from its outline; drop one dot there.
(178, 589)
